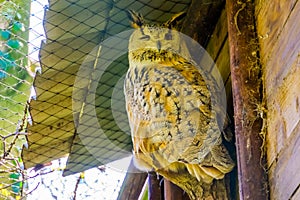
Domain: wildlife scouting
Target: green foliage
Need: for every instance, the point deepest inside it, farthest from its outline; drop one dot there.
(15, 84)
(4, 35)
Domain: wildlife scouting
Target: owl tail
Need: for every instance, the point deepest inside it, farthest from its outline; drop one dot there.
(196, 189)
(216, 164)
(204, 173)
(221, 159)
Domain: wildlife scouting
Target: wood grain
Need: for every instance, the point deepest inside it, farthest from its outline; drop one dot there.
(246, 86)
(284, 174)
(283, 112)
(133, 183)
(200, 22)
(286, 51)
(272, 16)
(218, 37)
(279, 33)
(281, 60)
(173, 192)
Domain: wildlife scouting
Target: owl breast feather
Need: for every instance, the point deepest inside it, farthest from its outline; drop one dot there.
(169, 106)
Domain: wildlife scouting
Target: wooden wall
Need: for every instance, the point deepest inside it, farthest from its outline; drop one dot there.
(218, 49)
(279, 36)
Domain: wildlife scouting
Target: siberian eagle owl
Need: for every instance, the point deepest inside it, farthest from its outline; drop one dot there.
(169, 107)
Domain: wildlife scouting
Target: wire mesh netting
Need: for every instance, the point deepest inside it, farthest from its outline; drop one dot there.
(74, 30)
(59, 39)
(95, 183)
(16, 76)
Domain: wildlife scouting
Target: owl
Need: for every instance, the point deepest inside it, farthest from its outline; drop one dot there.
(169, 106)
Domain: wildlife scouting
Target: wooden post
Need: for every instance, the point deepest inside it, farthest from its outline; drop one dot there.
(133, 183)
(200, 22)
(173, 192)
(154, 184)
(247, 95)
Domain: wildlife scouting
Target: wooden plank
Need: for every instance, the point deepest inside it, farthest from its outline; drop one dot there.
(284, 175)
(229, 98)
(286, 50)
(218, 37)
(271, 18)
(223, 62)
(200, 22)
(173, 192)
(283, 112)
(218, 49)
(154, 187)
(132, 184)
(280, 88)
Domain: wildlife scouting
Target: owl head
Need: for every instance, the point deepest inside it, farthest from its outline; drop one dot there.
(154, 41)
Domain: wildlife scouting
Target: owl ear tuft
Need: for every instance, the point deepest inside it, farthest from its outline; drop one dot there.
(175, 19)
(136, 19)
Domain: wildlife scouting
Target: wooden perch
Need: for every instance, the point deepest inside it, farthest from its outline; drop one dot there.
(133, 183)
(173, 192)
(247, 95)
(155, 190)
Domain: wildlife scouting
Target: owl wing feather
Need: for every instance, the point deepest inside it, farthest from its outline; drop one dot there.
(169, 110)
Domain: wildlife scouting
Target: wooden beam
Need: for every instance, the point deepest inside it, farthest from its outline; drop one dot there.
(201, 20)
(133, 183)
(173, 192)
(284, 174)
(247, 90)
(154, 184)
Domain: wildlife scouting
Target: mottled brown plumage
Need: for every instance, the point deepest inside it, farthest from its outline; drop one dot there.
(173, 126)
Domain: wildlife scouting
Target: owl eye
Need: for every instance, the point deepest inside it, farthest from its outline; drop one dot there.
(145, 37)
(168, 36)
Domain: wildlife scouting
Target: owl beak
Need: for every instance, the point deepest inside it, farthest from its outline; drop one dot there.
(158, 45)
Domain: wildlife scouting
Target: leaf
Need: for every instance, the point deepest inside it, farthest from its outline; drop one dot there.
(15, 175)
